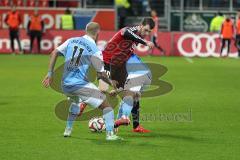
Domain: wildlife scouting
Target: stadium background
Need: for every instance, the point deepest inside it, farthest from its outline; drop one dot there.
(207, 89)
(176, 18)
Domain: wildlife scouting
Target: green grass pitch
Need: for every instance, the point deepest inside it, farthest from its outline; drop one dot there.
(209, 87)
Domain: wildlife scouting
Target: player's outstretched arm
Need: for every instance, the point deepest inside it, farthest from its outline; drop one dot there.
(130, 35)
(48, 78)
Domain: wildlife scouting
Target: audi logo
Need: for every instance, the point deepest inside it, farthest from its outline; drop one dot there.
(202, 45)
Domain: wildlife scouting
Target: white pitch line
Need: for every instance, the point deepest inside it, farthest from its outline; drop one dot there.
(188, 59)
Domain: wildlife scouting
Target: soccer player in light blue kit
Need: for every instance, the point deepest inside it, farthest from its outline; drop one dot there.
(79, 54)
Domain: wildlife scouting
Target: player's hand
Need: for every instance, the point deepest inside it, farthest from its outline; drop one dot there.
(150, 44)
(47, 81)
(113, 93)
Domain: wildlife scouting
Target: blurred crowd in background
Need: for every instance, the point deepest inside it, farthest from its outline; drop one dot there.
(130, 11)
(169, 15)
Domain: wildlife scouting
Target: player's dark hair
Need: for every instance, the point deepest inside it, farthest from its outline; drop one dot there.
(148, 21)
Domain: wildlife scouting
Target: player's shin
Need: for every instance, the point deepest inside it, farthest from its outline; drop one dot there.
(74, 111)
(120, 112)
(126, 108)
(108, 116)
(127, 105)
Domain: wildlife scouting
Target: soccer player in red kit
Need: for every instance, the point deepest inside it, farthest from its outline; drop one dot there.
(118, 50)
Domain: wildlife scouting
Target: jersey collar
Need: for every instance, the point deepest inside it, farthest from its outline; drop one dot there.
(89, 38)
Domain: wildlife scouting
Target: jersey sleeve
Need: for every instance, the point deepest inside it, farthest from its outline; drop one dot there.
(62, 49)
(97, 61)
(128, 33)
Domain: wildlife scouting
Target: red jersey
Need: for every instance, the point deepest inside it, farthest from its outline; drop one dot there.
(121, 46)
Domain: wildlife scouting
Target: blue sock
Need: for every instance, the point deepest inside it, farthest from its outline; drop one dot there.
(127, 105)
(108, 116)
(74, 110)
(119, 115)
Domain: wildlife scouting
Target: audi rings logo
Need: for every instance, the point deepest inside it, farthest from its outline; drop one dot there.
(198, 48)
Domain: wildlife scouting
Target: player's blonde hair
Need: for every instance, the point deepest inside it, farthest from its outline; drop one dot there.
(92, 28)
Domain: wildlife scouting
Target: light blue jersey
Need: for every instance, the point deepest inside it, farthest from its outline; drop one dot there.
(79, 54)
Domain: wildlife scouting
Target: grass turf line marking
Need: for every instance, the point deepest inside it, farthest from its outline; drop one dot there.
(188, 60)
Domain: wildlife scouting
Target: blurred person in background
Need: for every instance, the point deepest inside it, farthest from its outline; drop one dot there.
(154, 34)
(227, 34)
(237, 42)
(122, 9)
(35, 29)
(67, 21)
(216, 22)
(13, 21)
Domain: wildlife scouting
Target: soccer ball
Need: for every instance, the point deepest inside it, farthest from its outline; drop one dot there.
(96, 124)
